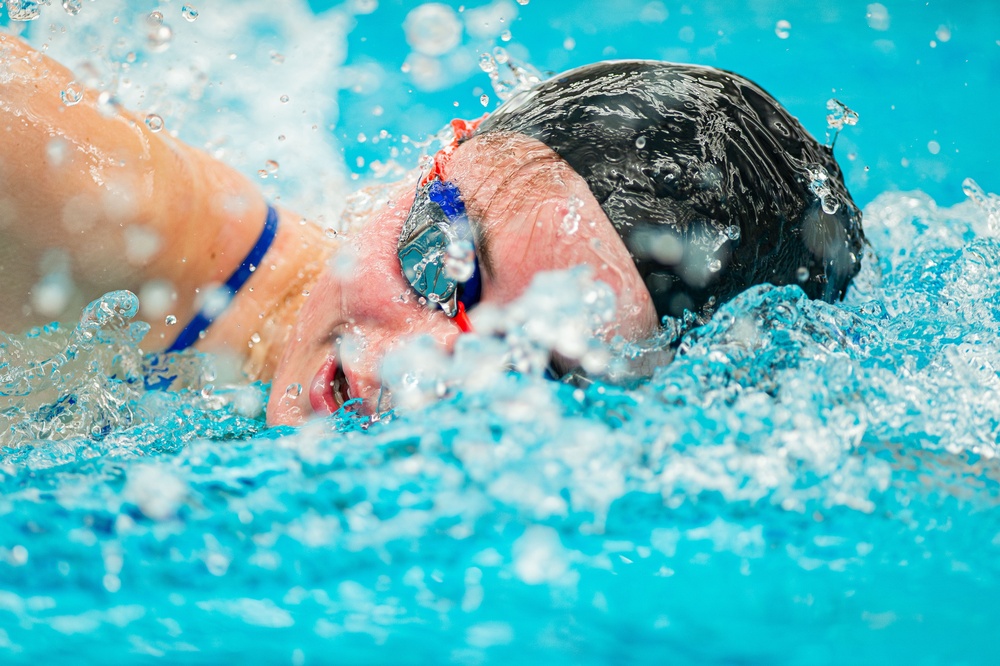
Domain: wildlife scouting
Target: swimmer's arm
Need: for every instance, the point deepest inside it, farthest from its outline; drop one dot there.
(125, 204)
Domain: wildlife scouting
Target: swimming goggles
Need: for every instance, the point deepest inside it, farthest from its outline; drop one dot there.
(437, 249)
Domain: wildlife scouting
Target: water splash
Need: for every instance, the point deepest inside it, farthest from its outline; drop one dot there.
(839, 116)
(791, 444)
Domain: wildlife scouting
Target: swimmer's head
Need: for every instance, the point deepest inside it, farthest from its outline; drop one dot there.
(690, 185)
(710, 183)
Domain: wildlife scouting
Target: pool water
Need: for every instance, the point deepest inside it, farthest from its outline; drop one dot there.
(805, 483)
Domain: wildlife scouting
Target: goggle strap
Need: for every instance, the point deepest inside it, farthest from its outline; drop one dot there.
(461, 319)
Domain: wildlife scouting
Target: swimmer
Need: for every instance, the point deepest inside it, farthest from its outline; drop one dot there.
(691, 185)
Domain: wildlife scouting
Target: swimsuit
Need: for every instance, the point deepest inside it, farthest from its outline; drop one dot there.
(195, 330)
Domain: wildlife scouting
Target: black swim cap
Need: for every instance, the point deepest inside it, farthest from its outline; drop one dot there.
(712, 185)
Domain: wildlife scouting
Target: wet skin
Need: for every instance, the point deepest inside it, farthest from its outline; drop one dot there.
(517, 192)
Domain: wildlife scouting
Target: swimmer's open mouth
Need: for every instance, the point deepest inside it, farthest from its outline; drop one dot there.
(329, 389)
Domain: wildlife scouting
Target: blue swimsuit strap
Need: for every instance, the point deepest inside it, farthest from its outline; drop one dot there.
(204, 318)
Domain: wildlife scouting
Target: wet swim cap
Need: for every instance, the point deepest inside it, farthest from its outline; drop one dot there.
(712, 185)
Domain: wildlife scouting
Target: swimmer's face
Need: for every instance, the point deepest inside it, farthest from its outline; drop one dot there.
(517, 192)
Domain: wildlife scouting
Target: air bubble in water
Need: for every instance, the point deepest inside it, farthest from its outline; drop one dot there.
(782, 29)
(733, 232)
(154, 19)
(640, 142)
(23, 10)
(170, 320)
(802, 274)
(189, 13)
(283, 99)
(72, 7)
(72, 94)
(715, 265)
(484, 99)
(293, 390)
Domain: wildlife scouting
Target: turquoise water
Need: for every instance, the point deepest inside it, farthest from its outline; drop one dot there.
(805, 484)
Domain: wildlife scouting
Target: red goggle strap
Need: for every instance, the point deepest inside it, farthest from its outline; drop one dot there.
(462, 129)
(461, 319)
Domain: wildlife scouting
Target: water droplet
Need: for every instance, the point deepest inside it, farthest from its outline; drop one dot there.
(271, 166)
(154, 122)
(460, 260)
(821, 188)
(364, 6)
(877, 16)
(55, 151)
(715, 265)
(571, 220)
(943, 33)
(154, 19)
(255, 338)
(640, 142)
(500, 55)
(23, 10)
(159, 37)
(487, 63)
(933, 147)
(72, 94)
(733, 232)
(505, 36)
(522, 2)
(72, 7)
(802, 274)
(484, 99)
(839, 115)
(281, 137)
(277, 58)
(262, 173)
(283, 99)
(189, 12)
(170, 320)
(569, 43)
(782, 29)
(293, 390)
